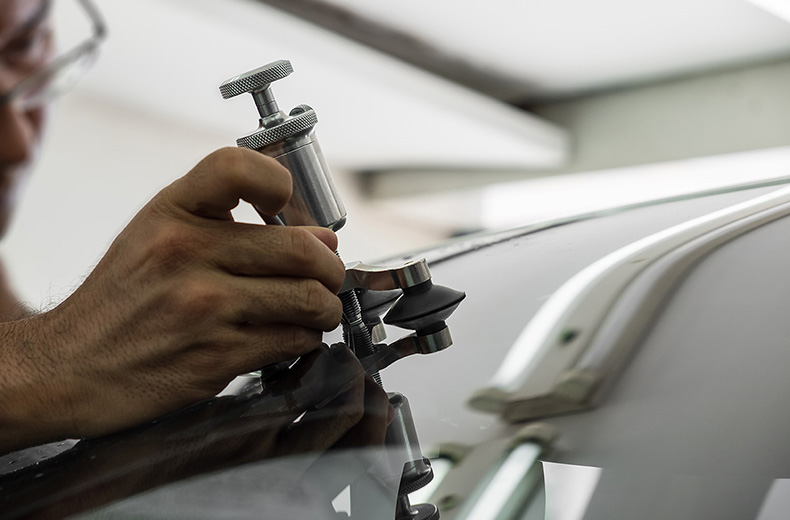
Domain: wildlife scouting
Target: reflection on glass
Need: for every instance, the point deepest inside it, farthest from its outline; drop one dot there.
(441, 467)
(337, 405)
(342, 502)
(569, 489)
(505, 489)
(777, 501)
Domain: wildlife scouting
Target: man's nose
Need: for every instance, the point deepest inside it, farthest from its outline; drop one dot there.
(17, 140)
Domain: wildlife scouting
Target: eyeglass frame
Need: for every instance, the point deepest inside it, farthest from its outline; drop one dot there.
(86, 48)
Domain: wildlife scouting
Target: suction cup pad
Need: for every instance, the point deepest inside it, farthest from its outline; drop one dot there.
(424, 307)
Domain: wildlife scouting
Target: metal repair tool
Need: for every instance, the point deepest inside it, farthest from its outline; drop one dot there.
(405, 293)
(291, 141)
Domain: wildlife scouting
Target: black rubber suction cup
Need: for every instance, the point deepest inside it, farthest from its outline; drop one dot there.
(424, 307)
(376, 303)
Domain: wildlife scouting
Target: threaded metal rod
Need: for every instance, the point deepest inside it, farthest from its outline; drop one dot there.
(355, 332)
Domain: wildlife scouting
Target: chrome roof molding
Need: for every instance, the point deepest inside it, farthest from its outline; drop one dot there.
(579, 341)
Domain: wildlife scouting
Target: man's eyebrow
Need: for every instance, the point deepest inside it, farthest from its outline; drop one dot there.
(36, 18)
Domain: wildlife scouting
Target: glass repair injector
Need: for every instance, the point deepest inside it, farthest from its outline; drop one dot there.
(405, 295)
(290, 139)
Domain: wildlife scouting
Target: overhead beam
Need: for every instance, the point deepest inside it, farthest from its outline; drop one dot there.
(404, 46)
(710, 114)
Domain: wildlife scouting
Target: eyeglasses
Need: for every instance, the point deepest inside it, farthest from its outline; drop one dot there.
(61, 73)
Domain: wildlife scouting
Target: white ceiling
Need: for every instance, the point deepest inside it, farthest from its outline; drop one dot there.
(168, 56)
(556, 47)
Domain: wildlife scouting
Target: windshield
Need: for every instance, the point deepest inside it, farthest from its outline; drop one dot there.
(688, 428)
(580, 311)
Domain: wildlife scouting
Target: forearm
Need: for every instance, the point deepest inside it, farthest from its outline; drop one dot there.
(31, 410)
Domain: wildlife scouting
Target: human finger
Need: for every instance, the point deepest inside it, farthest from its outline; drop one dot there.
(372, 426)
(296, 301)
(216, 298)
(320, 429)
(255, 250)
(258, 346)
(213, 187)
(325, 235)
(221, 356)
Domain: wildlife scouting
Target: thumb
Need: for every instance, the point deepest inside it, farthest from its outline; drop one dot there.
(213, 187)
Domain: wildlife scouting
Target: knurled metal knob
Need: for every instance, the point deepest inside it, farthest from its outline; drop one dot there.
(258, 83)
(289, 139)
(275, 125)
(257, 79)
(302, 120)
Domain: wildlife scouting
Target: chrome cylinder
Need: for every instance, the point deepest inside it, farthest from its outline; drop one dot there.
(315, 200)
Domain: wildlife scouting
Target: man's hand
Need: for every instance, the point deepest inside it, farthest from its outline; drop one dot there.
(337, 403)
(184, 300)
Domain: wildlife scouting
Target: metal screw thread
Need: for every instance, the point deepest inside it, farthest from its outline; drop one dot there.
(355, 332)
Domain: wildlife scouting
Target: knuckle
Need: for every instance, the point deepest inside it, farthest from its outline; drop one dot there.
(228, 159)
(299, 247)
(313, 298)
(197, 299)
(337, 275)
(243, 161)
(250, 168)
(170, 247)
(354, 408)
(356, 413)
(319, 305)
(334, 313)
(301, 340)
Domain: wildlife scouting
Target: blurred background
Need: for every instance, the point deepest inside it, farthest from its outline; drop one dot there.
(438, 118)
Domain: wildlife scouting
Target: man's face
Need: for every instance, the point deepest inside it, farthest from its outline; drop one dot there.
(25, 47)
